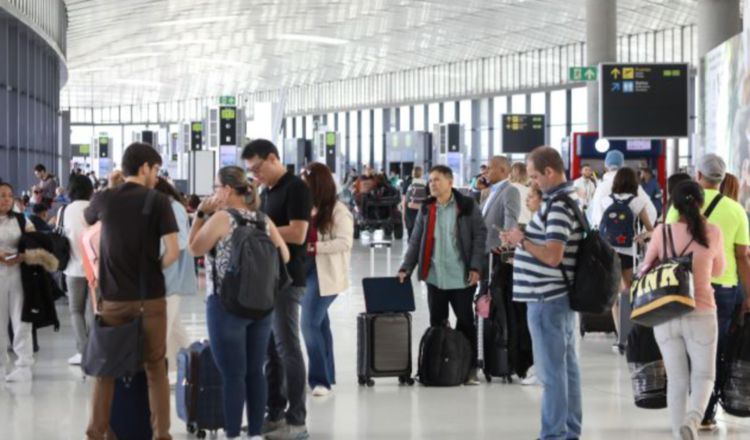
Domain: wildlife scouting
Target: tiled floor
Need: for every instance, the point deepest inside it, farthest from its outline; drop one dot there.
(54, 406)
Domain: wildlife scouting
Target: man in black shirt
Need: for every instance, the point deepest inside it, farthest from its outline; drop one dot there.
(288, 202)
(130, 259)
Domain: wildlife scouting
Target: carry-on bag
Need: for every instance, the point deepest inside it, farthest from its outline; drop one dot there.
(735, 391)
(384, 347)
(665, 291)
(647, 373)
(492, 331)
(130, 417)
(199, 392)
(444, 357)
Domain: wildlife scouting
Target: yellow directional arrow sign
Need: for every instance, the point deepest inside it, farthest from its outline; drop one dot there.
(615, 73)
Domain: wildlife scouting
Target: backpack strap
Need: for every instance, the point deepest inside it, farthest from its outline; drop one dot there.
(145, 214)
(570, 203)
(707, 213)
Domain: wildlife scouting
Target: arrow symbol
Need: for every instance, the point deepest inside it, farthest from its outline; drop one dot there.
(615, 73)
(590, 74)
(616, 87)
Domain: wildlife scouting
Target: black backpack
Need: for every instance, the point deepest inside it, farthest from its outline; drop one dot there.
(735, 389)
(253, 277)
(617, 224)
(648, 375)
(60, 243)
(597, 267)
(444, 357)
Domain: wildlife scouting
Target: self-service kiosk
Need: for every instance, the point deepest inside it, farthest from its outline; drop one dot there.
(449, 149)
(406, 149)
(102, 155)
(637, 152)
(297, 154)
(327, 149)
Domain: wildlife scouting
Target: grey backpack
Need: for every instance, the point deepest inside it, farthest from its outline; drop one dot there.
(253, 276)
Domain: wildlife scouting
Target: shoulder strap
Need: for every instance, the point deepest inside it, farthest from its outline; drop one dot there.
(570, 203)
(707, 213)
(61, 217)
(21, 219)
(671, 241)
(238, 218)
(145, 213)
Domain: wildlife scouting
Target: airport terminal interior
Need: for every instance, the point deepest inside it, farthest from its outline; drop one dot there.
(375, 96)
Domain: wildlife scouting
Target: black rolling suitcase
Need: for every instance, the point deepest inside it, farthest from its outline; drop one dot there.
(130, 417)
(492, 334)
(384, 347)
(198, 394)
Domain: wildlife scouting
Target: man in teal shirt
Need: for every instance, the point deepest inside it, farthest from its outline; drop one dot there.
(448, 245)
(731, 218)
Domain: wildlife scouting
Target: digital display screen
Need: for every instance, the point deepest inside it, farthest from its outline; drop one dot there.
(644, 100)
(523, 133)
(228, 126)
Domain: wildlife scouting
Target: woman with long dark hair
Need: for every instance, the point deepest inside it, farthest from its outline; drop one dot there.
(688, 343)
(625, 190)
(327, 267)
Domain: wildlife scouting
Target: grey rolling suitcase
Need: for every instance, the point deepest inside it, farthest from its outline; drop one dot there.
(384, 347)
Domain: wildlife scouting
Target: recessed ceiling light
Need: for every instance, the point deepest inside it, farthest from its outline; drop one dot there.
(313, 39)
(133, 55)
(197, 20)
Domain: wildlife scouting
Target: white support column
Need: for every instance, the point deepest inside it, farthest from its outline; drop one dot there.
(601, 46)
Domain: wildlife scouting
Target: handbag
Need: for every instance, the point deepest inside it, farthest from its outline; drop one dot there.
(117, 350)
(666, 290)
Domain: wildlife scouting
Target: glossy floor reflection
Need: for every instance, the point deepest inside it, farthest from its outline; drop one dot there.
(55, 405)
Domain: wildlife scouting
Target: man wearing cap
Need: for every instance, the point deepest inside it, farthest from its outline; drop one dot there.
(729, 216)
(613, 161)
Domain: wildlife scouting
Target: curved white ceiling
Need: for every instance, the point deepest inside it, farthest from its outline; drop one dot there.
(136, 51)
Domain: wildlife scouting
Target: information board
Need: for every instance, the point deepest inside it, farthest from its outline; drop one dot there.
(523, 133)
(228, 126)
(643, 100)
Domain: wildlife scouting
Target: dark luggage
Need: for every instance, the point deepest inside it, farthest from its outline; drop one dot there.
(647, 373)
(597, 323)
(388, 295)
(735, 391)
(130, 417)
(384, 347)
(626, 324)
(199, 393)
(444, 357)
(492, 333)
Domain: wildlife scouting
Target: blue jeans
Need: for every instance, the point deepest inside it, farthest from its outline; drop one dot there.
(727, 299)
(239, 347)
(316, 329)
(552, 327)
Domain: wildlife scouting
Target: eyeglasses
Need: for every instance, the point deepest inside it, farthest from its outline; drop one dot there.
(255, 168)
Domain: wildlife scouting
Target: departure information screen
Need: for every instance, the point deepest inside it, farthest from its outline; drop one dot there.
(523, 133)
(643, 100)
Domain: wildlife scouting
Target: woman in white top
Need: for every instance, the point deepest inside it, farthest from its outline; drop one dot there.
(11, 289)
(73, 224)
(519, 179)
(329, 252)
(625, 188)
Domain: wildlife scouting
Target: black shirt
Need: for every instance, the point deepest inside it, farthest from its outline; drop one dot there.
(288, 200)
(130, 241)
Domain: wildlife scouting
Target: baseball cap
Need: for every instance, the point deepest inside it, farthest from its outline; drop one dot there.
(712, 167)
(614, 159)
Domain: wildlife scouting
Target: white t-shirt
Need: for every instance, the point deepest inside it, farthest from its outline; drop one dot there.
(586, 188)
(74, 226)
(603, 190)
(525, 216)
(636, 206)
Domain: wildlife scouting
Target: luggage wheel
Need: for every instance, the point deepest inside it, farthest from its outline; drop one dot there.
(191, 429)
(201, 434)
(370, 383)
(508, 379)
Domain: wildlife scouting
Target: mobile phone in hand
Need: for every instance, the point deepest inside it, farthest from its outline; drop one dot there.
(11, 257)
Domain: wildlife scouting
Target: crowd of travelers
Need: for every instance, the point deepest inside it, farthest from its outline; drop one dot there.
(522, 226)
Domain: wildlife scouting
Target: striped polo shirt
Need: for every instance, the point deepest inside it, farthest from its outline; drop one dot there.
(534, 281)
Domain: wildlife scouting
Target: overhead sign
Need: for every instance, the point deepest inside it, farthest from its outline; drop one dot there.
(228, 126)
(103, 147)
(578, 74)
(196, 136)
(523, 133)
(643, 100)
(227, 100)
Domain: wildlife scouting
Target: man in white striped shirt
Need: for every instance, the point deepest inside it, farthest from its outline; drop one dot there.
(550, 242)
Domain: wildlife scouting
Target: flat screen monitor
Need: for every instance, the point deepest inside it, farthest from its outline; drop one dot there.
(523, 133)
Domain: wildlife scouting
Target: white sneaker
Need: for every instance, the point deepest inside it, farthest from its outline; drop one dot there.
(320, 391)
(530, 380)
(256, 437)
(75, 359)
(20, 374)
(172, 375)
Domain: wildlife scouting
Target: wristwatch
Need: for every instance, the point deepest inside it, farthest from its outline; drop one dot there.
(200, 214)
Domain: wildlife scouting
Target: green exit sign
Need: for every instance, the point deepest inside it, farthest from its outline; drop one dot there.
(227, 100)
(578, 74)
